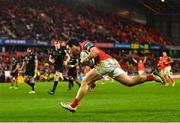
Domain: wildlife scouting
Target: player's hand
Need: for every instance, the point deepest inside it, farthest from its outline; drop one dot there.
(52, 60)
(83, 60)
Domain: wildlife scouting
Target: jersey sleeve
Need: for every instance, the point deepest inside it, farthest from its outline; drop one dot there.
(87, 45)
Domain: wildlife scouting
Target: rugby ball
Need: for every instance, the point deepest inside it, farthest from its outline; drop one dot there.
(83, 55)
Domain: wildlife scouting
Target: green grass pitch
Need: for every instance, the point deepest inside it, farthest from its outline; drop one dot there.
(110, 102)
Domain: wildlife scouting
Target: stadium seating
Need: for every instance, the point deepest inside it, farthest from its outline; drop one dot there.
(48, 19)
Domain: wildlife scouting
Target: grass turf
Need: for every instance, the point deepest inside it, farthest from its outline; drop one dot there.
(110, 102)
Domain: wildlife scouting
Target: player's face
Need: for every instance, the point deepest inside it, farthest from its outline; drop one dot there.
(57, 45)
(164, 54)
(29, 50)
(75, 50)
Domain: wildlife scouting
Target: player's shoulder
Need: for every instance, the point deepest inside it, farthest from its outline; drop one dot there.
(160, 58)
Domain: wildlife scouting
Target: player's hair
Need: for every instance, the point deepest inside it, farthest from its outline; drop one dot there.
(57, 41)
(29, 48)
(72, 42)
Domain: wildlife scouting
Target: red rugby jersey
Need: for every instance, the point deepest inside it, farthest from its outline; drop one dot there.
(141, 66)
(87, 45)
(161, 64)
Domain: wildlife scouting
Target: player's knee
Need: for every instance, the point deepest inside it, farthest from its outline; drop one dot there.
(84, 84)
(125, 82)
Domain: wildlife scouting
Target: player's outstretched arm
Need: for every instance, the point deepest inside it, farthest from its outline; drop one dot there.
(134, 60)
(36, 64)
(145, 59)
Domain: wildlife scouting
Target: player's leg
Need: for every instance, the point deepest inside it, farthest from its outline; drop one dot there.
(12, 85)
(27, 79)
(58, 77)
(12, 82)
(130, 81)
(120, 75)
(32, 83)
(169, 76)
(16, 80)
(166, 76)
(75, 78)
(91, 76)
(172, 81)
(166, 80)
(163, 74)
(69, 85)
(123, 78)
(70, 82)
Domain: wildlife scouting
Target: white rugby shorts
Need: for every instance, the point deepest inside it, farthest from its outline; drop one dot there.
(109, 67)
(166, 71)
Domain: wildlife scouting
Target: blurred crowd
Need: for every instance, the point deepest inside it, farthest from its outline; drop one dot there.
(45, 68)
(53, 19)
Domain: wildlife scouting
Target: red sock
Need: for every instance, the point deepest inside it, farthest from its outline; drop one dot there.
(172, 80)
(74, 103)
(149, 77)
(167, 81)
